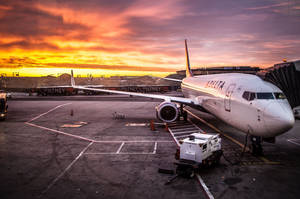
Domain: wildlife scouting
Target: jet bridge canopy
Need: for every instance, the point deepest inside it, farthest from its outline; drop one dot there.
(287, 77)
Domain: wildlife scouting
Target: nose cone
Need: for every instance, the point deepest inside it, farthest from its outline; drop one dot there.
(278, 118)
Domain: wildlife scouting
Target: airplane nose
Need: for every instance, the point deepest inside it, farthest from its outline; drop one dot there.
(278, 118)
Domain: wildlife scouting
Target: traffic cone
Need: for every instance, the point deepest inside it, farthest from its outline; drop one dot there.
(152, 125)
(167, 128)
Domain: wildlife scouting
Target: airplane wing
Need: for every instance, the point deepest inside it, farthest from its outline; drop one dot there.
(181, 100)
(171, 79)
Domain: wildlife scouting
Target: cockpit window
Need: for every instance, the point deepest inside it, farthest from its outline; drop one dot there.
(279, 96)
(246, 95)
(264, 95)
(249, 96)
(252, 96)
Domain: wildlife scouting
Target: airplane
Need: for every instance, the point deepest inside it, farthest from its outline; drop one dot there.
(244, 101)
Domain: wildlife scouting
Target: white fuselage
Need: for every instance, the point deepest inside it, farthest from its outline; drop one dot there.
(243, 101)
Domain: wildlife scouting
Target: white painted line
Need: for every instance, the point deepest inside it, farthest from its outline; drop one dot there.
(37, 117)
(120, 148)
(294, 141)
(99, 141)
(91, 140)
(184, 129)
(66, 169)
(60, 132)
(133, 141)
(205, 188)
(176, 141)
(137, 124)
(155, 148)
(114, 153)
(83, 138)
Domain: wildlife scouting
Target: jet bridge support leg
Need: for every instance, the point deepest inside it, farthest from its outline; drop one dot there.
(256, 147)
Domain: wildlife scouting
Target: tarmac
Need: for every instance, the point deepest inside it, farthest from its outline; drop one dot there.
(68, 148)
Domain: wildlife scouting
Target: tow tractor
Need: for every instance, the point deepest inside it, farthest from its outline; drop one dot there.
(196, 151)
(3, 105)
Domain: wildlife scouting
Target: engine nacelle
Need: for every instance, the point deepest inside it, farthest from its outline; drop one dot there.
(167, 112)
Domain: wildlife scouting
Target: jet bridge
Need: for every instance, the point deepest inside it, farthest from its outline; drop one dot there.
(287, 77)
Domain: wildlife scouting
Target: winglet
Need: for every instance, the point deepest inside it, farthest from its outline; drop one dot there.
(188, 71)
(72, 79)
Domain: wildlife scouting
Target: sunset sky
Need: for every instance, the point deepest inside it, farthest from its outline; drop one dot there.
(41, 37)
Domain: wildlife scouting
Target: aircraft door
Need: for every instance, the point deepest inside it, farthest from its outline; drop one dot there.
(227, 99)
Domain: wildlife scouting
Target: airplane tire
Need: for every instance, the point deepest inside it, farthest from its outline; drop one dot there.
(256, 150)
(185, 115)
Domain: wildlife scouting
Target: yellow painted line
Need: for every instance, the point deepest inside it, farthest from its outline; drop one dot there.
(268, 161)
(230, 138)
(218, 130)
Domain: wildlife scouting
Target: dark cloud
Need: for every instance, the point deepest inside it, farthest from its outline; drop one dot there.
(14, 62)
(224, 31)
(110, 67)
(108, 6)
(28, 45)
(29, 22)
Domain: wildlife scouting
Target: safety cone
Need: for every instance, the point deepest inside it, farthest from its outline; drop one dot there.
(167, 128)
(152, 125)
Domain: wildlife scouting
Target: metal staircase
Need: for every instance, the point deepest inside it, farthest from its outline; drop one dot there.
(182, 129)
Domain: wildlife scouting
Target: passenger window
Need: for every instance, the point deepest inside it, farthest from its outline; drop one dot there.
(279, 96)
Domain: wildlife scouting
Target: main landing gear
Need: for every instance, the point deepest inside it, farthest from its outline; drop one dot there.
(183, 113)
(256, 148)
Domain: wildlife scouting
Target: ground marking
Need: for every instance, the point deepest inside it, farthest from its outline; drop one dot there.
(93, 141)
(96, 141)
(67, 168)
(114, 153)
(172, 134)
(133, 141)
(60, 132)
(205, 188)
(155, 148)
(126, 153)
(120, 148)
(294, 141)
(37, 117)
(80, 137)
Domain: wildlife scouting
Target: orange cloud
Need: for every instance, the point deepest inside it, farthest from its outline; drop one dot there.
(145, 35)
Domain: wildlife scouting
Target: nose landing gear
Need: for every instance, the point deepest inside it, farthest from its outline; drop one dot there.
(256, 148)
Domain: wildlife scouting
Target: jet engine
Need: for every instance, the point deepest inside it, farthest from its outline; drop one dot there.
(167, 112)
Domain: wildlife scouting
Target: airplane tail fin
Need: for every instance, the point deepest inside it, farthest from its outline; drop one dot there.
(72, 79)
(188, 71)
